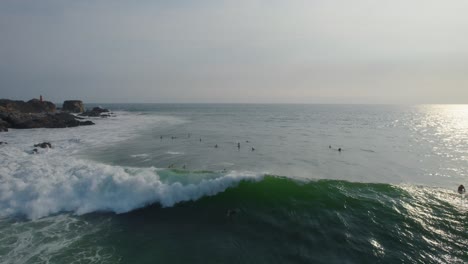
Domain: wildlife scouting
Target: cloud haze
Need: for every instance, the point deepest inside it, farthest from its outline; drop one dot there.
(314, 51)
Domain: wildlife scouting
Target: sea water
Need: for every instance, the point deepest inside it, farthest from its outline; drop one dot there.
(213, 183)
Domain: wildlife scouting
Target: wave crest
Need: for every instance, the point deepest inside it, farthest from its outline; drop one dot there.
(39, 187)
(56, 180)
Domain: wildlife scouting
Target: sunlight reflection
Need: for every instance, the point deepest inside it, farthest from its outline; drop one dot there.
(445, 128)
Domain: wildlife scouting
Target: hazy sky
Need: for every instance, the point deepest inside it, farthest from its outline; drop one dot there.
(304, 51)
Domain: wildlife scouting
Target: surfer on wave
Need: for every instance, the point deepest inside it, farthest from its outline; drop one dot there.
(461, 189)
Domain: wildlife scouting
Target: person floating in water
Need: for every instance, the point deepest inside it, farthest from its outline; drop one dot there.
(232, 212)
(339, 149)
(461, 189)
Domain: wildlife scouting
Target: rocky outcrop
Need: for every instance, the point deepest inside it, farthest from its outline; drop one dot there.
(41, 106)
(43, 145)
(31, 106)
(34, 114)
(3, 126)
(96, 112)
(42, 120)
(73, 106)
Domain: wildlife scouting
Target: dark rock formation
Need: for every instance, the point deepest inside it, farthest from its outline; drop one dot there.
(35, 114)
(41, 106)
(3, 126)
(57, 120)
(43, 145)
(96, 112)
(31, 106)
(73, 106)
(86, 123)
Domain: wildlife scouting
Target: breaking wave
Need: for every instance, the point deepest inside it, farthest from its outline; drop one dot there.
(56, 180)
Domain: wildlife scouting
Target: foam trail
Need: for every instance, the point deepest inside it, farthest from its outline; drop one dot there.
(174, 153)
(139, 155)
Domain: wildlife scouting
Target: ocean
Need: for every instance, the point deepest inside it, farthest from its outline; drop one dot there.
(234, 183)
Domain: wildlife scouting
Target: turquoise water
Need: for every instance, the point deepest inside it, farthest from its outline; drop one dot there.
(105, 194)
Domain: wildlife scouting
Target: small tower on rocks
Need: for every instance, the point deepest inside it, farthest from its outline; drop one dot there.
(40, 98)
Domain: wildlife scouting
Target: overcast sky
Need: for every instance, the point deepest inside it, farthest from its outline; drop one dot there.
(291, 51)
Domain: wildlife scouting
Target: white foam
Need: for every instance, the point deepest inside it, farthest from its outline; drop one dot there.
(144, 155)
(45, 238)
(55, 180)
(174, 153)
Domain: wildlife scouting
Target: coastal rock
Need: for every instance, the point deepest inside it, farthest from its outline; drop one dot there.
(38, 114)
(3, 126)
(43, 120)
(86, 123)
(43, 145)
(96, 112)
(41, 106)
(32, 106)
(73, 106)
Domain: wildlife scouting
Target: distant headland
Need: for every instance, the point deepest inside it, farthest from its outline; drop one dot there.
(38, 113)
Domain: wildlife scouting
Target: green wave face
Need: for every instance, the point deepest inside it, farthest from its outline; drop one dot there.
(278, 220)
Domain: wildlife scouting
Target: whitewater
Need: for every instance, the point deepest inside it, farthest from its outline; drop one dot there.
(56, 180)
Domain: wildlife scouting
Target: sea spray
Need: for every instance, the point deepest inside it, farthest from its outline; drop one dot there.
(44, 184)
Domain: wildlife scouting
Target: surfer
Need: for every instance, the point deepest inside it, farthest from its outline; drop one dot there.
(216, 146)
(329, 146)
(200, 139)
(238, 145)
(231, 212)
(253, 149)
(339, 149)
(160, 137)
(461, 189)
